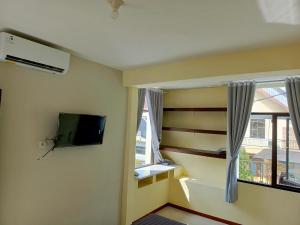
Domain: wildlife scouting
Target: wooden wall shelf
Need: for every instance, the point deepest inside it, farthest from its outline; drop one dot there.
(207, 153)
(195, 130)
(215, 109)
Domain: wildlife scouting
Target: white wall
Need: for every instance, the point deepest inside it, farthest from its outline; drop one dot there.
(74, 186)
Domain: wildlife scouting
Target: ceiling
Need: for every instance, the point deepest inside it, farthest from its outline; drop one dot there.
(155, 31)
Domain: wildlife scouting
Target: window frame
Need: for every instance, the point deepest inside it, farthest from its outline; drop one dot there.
(152, 161)
(273, 184)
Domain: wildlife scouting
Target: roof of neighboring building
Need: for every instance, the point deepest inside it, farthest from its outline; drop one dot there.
(277, 94)
(266, 154)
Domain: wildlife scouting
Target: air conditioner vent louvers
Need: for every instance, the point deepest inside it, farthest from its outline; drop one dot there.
(31, 63)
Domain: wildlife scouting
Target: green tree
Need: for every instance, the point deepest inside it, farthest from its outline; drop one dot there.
(244, 162)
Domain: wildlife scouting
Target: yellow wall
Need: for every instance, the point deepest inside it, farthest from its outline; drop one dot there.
(201, 97)
(204, 120)
(278, 58)
(74, 186)
(203, 185)
(256, 205)
(137, 202)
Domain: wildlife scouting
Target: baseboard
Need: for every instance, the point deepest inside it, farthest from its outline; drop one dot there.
(202, 214)
(192, 212)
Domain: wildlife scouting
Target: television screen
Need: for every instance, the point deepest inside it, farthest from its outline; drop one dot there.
(79, 129)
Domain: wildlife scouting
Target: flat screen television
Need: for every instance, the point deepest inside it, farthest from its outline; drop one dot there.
(79, 130)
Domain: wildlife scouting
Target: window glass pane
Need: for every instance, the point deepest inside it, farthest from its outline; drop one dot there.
(288, 154)
(270, 99)
(143, 141)
(255, 159)
(257, 128)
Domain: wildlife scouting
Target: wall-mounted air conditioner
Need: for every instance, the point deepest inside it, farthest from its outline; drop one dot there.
(31, 54)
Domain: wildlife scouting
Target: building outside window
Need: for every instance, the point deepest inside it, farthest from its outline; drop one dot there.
(143, 154)
(257, 128)
(270, 154)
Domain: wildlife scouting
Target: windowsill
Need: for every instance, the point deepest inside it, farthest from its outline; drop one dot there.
(279, 187)
(146, 165)
(152, 170)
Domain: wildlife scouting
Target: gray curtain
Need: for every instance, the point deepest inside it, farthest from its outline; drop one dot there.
(292, 86)
(240, 101)
(154, 98)
(141, 102)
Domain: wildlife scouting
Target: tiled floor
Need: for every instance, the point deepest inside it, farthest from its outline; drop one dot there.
(185, 217)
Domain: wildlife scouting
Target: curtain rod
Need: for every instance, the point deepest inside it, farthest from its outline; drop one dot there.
(263, 81)
(256, 81)
(270, 81)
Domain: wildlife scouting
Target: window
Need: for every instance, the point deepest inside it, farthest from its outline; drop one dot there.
(288, 154)
(270, 154)
(257, 128)
(143, 154)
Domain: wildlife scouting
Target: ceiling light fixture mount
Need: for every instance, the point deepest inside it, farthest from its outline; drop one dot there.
(115, 5)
